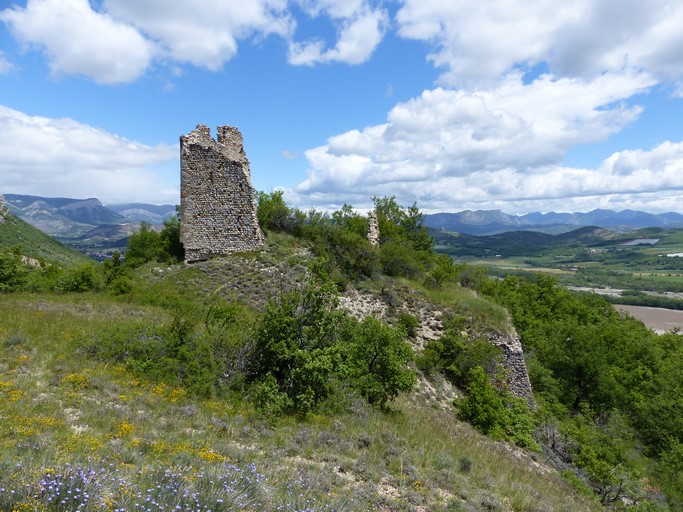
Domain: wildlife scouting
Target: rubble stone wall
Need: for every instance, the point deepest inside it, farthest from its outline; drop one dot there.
(373, 229)
(3, 209)
(217, 205)
(515, 367)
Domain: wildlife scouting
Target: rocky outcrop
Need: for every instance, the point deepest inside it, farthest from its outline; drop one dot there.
(217, 205)
(430, 327)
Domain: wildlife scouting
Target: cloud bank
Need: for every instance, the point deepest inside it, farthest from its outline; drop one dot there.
(522, 83)
(64, 158)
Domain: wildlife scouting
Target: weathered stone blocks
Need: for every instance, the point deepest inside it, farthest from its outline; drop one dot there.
(3, 209)
(515, 367)
(217, 204)
(373, 229)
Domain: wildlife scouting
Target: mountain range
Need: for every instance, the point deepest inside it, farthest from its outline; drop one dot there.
(487, 222)
(81, 219)
(68, 218)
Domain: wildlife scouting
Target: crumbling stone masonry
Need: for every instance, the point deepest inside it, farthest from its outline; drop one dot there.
(217, 205)
(3, 209)
(515, 367)
(373, 229)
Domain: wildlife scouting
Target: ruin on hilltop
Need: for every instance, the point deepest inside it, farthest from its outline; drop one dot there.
(217, 204)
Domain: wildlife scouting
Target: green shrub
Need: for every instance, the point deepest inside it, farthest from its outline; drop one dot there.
(408, 323)
(496, 414)
(174, 354)
(147, 244)
(377, 361)
(443, 270)
(399, 259)
(455, 354)
(273, 213)
(83, 278)
(311, 351)
(13, 272)
(171, 247)
(143, 246)
(295, 343)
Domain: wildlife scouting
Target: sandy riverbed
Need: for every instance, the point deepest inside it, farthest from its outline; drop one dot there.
(659, 319)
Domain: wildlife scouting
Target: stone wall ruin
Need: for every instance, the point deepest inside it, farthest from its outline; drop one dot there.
(217, 204)
(373, 229)
(4, 211)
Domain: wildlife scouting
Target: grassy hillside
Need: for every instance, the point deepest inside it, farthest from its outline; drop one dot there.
(16, 233)
(323, 373)
(100, 434)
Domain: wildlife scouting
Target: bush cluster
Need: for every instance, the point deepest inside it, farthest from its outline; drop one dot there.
(405, 248)
(298, 355)
(148, 244)
(611, 386)
(304, 352)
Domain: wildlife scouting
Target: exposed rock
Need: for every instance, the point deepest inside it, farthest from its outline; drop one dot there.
(217, 206)
(430, 327)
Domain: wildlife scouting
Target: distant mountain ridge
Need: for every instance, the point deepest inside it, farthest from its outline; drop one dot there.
(139, 212)
(487, 222)
(64, 217)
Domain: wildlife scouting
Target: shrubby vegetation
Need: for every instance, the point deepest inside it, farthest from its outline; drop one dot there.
(148, 244)
(405, 248)
(605, 384)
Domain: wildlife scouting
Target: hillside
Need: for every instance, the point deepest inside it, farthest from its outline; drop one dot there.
(86, 224)
(115, 423)
(63, 217)
(139, 212)
(33, 243)
(523, 243)
(325, 373)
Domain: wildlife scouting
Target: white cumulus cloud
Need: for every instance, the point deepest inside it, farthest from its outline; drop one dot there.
(361, 29)
(203, 32)
(473, 139)
(79, 40)
(62, 157)
(477, 42)
(5, 65)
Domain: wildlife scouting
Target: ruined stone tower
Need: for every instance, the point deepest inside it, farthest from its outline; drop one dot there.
(3, 209)
(217, 206)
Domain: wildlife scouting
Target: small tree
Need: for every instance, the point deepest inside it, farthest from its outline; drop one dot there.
(496, 414)
(171, 246)
(272, 212)
(377, 359)
(12, 271)
(294, 354)
(144, 246)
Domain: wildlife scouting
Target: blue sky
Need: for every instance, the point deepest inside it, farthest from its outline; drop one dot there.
(459, 104)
